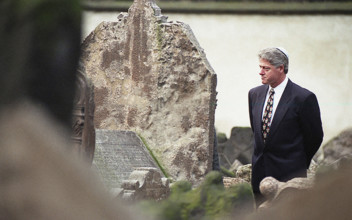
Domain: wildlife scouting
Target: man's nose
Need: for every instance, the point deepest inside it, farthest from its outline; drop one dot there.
(261, 72)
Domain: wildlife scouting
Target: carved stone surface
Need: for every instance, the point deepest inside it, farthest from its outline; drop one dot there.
(145, 183)
(272, 188)
(152, 77)
(245, 172)
(269, 187)
(117, 154)
(229, 181)
(83, 134)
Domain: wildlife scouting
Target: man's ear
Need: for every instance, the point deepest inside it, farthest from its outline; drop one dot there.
(282, 68)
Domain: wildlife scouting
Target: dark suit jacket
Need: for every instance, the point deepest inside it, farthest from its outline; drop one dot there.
(294, 137)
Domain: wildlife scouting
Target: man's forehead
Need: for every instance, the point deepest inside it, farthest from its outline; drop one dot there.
(263, 62)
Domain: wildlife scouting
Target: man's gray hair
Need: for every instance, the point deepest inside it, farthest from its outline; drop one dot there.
(275, 56)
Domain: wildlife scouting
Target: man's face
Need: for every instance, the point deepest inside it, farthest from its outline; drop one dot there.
(270, 74)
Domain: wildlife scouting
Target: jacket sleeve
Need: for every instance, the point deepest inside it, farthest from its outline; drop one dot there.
(311, 126)
(250, 109)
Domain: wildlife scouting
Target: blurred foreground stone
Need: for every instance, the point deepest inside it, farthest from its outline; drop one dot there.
(39, 53)
(274, 190)
(329, 198)
(42, 177)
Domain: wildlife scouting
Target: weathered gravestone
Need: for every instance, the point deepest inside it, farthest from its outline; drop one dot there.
(339, 147)
(118, 154)
(152, 77)
(238, 147)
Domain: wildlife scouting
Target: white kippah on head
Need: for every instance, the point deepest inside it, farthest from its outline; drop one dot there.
(282, 50)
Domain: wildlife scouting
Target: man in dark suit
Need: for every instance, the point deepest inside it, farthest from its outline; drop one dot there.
(286, 124)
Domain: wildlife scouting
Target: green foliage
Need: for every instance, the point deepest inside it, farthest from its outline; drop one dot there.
(227, 172)
(210, 200)
(180, 187)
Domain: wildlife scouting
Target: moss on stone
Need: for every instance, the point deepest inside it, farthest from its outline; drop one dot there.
(153, 156)
(159, 36)
(227, 172)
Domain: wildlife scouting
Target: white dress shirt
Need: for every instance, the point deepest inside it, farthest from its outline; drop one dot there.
(279, 90)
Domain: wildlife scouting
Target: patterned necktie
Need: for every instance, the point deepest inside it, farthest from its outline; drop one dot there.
(267, 114)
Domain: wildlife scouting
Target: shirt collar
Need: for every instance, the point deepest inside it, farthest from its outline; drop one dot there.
(281, 86)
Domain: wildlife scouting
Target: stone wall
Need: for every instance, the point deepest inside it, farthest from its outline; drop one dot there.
(152, 77)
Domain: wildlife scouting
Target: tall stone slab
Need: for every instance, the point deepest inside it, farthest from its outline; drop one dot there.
(152, 77)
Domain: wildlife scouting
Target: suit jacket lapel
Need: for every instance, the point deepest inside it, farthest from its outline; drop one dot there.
(281, 109)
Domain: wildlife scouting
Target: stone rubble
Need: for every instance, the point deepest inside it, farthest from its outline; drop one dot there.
(145, 183)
